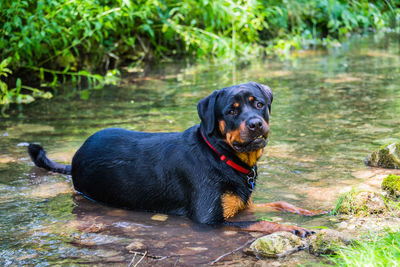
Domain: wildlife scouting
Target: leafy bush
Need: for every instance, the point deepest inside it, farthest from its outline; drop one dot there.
(51, 41)
(8, 96)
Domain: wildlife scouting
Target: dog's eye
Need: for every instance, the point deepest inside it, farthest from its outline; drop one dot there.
(259, 105)
(232, 112)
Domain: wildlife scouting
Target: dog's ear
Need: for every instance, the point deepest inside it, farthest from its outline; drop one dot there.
(266, 91)
(206, 110)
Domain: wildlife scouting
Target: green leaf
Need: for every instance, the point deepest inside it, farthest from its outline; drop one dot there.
(146, 28)
(18, 86)
(41, 74)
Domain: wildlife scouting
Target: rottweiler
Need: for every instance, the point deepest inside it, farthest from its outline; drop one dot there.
(206, 173)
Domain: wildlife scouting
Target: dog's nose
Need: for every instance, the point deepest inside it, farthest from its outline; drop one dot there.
(254, 124)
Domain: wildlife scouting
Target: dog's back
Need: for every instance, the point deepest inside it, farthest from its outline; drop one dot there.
(135, 169)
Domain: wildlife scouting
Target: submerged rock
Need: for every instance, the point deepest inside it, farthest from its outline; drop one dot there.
(361, 203)
(391, 184)
(326, 241)
(277, 245)
(387, 157)
(48, 190)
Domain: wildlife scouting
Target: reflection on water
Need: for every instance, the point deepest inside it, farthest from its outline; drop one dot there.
(330, 110)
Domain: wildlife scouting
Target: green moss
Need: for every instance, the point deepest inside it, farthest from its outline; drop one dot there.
(391, 184)
(384, 146)
(326, 241)
(360, 203)
(276, 245)
(345, 203)
(388, 156)
(323, 245)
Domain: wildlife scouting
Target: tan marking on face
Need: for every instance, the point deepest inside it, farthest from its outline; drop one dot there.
(232, 204)
(251, 98)
(222, 126)
(236, 104)
(235, 135)
(251, 157)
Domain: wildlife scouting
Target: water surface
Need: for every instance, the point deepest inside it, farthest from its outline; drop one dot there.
(330, 110)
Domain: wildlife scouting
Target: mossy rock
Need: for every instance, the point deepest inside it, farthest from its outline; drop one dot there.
(360, 203)
(326, 241)
(276, 245)
(387, 156)
(391, 185)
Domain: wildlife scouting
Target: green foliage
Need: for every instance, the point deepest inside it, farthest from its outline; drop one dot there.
(382, 250)
(295, 24)
(344, 203)
(8, 96)
(59, 40)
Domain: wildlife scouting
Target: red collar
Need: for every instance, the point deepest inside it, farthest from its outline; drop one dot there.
(248, 172)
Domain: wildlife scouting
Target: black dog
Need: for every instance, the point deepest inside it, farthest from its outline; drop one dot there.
(207, 173)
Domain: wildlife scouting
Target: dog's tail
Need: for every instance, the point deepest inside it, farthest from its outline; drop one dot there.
(38, 156)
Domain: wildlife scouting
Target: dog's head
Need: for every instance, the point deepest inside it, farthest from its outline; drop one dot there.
(239, 114)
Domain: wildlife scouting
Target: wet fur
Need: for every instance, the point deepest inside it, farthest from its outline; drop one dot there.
(175, 173)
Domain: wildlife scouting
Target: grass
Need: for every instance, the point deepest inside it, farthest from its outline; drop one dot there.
(356, 202)
(381, 250)
(375, 249)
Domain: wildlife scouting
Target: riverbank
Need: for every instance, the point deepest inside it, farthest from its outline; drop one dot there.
(43, 45)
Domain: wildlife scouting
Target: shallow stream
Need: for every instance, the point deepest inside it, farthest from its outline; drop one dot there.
(331, 109)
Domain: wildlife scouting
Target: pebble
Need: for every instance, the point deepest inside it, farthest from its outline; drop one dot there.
(159, 217)
(135, 245)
